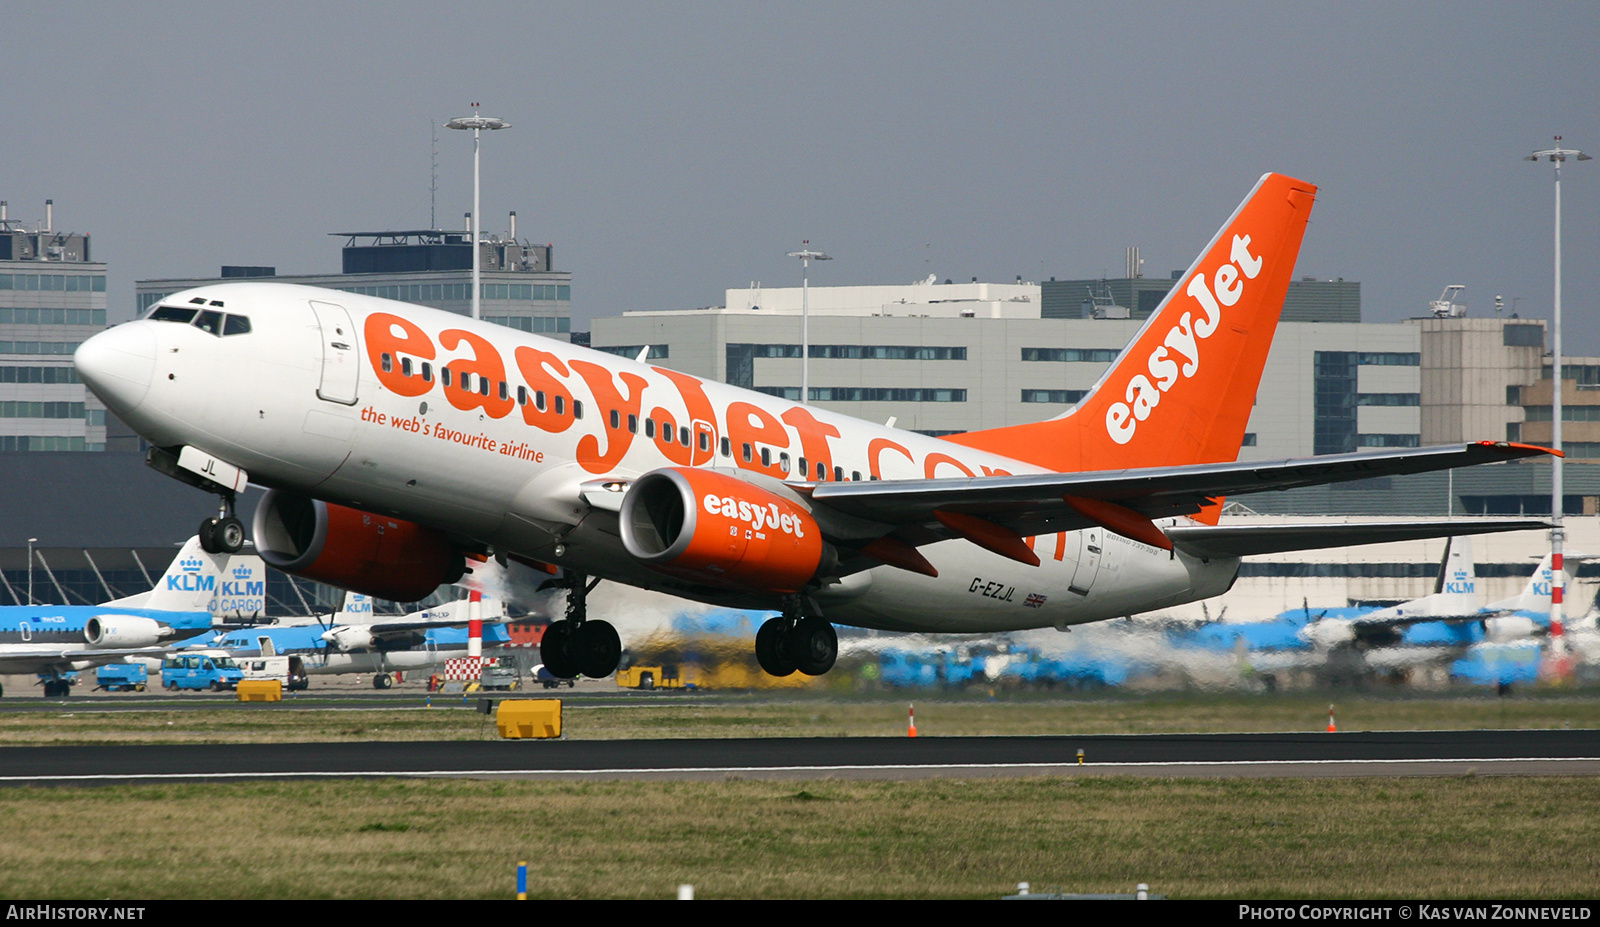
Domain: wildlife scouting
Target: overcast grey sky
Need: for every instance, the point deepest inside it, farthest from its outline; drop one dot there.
(670, 151)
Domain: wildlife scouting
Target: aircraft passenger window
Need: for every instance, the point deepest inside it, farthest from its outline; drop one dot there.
(386, 362)
(405, 362)
(705, 441)
(766, 457)
(746, 451)
(427, 372)
(725, 448)
(822, 470)
(783, 462)
(538, 400)
(236, 325)
(522, 395)
(444, 375)
(649, 428)
(855, 476)
(805, 471)
(577, 407)
(838, 474)
(210, 322)
(633, 424)
(173, 314)
(616, 419)
(483, 388)
(503, 393)
(683, 435)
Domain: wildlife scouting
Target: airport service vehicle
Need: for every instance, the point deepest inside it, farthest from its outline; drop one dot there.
(290, 672)
(398, 441)
(550, 680)
(53, 640)
(213, 670)
(121, 677)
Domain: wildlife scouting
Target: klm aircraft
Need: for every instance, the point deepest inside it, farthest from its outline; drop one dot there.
(353, 642)
(54, 640)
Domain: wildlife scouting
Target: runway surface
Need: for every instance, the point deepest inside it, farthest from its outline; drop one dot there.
(1356, 754)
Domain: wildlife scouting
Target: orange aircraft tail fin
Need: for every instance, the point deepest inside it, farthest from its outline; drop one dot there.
(1181, 391)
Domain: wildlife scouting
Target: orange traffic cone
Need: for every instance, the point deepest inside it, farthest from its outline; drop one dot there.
(1331, 728)
(911, 722)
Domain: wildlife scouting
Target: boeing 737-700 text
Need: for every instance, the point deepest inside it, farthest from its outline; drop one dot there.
(397, 440)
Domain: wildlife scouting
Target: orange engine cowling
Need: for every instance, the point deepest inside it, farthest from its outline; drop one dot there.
(711, 528)
(386, 558)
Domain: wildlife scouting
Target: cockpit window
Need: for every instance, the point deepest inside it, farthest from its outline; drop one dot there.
(236, 325)
(184, 314)
(210, 322)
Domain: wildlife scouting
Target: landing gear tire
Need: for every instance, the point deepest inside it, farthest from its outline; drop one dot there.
(208, 535)
(554, 651)
(772, 649)
(814, 646)
(228, 535)
(595, 648)
(382, 681)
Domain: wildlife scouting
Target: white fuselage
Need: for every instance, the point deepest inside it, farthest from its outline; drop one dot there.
(315, 398)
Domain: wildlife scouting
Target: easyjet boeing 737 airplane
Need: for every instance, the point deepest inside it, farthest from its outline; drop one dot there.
(397, 440)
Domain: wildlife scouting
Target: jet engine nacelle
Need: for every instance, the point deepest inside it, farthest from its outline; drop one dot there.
(711, 528)
(124, 631)
(386, 558)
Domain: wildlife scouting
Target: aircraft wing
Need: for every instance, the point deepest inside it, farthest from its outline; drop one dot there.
(386, 628)
(1220, 541)
(1035, 504)
(58, 658)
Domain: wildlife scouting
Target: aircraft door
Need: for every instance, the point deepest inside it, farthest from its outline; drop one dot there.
(1093, 544)
(341, 369)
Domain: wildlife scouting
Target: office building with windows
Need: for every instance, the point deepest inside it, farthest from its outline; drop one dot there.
(430, 267)
(52, 298)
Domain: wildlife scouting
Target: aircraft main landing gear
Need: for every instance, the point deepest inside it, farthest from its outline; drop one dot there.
(795, 641)
(575, 645)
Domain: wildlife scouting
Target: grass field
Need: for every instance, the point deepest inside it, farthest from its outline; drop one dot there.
(808, 716)
(1373, 838)
(1499, 837)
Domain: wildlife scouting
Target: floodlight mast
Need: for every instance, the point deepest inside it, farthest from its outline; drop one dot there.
(1556, 155)
(806, 256)
(477, 124)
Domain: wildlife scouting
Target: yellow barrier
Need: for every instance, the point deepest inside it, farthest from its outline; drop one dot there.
(529, 717)
(260, 690)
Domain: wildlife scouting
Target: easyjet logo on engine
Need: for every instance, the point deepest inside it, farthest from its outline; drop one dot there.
(1182, 342)
(759, 517)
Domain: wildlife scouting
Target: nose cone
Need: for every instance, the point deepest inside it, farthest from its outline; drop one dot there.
(118, 364)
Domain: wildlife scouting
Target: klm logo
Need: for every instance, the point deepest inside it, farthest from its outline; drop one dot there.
(1460, 584)
(189, 582)
(232, 588)
(190, 564)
